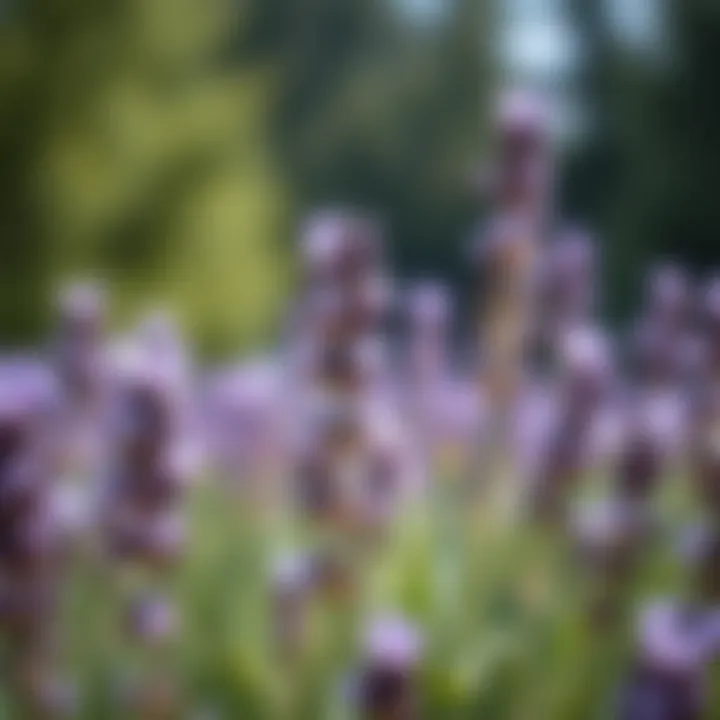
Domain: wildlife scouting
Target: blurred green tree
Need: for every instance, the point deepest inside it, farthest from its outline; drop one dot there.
(166, 144)
(648, 176)
(682, 213)
(382, 106)
(134, 145)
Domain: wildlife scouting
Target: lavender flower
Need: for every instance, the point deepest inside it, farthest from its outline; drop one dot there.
(521, 174)
(669, 680)
(585, 376)
(641, 460)
(30, 547)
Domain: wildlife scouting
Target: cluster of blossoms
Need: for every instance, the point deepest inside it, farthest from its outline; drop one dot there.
(585, 374)
(142, 511)
(670, 680)
(351, 450)
(144, 523)
(702, 547)
(507, 253)
(649, 415)
(388, 682)
(81, 363)
(30, 546)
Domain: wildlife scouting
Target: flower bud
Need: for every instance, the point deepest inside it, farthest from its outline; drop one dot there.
(393, 652)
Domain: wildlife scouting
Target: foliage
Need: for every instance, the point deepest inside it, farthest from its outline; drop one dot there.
(133, 148)
(646, 179)
(501, 605)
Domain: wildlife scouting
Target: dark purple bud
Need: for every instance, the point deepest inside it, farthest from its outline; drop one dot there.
(585, 376)
(30, 545)
(27, 400)
(522, 170)
(657, 695)
(522, 119)
(669, 679)
(22, 483)
(154, 488)
(14, 433)
(146, 420)
(316, 485)
(387, 689)
(348, 367)
(640, 462)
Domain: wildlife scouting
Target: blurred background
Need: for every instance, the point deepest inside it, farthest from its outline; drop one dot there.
(172, 146)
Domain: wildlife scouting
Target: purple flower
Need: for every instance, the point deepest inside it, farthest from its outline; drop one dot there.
(640, 463)
(522, 122)
(391, 641)
(393, 651)
(669, 681)
(339, 245)
(28, 400)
